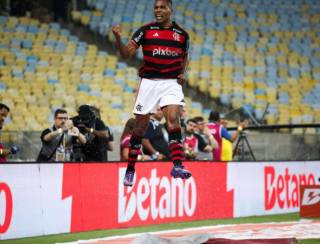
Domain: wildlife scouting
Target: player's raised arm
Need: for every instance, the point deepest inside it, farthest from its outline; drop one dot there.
(126, 51)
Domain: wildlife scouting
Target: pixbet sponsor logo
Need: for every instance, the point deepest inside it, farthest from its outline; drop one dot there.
(5, 207)
(310, 197)
(164, 52)
(281, 189)
(156, 197)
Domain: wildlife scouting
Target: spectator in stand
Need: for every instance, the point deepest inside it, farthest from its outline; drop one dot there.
(4, 152)
(219, 131)
(206, 141)
(58, 141)
(154, 143)
(4, 8)
(19, 8)
(125, 142)
(190, 143)
(60, 10)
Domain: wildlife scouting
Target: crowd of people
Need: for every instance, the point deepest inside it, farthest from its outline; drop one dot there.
(201, 140)
(86, 138)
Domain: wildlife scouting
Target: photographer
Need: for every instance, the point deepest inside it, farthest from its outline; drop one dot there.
(96, 133)
(4, 152)
(58, 141)
(110, 137)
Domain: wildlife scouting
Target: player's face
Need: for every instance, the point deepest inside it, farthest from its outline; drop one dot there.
(3, 115)
(162, 12)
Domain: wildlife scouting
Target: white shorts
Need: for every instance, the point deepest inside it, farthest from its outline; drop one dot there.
(154, 93)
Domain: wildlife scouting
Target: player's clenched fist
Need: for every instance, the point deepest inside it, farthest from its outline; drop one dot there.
(116, 31)
(181, 79)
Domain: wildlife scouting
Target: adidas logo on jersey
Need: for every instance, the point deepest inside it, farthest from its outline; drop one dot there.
(155, 34)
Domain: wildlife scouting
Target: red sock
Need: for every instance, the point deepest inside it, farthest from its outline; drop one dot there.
(135, 147)
(175, 146)
(176, 152)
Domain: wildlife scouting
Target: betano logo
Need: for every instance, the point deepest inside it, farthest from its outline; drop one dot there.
(5, 212)
(164, 52)
(156, 197)
(311, 197)
(281, 187)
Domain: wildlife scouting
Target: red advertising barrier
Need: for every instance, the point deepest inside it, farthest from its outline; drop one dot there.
(99, 203)
(72, 197)
(310, 201)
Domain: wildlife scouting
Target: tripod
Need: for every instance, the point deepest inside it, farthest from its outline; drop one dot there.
(240, 145)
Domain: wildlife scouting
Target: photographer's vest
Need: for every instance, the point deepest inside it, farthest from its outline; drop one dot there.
(49, 149)
(226, 154)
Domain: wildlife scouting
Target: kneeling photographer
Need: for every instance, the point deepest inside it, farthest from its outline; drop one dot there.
(96, 133)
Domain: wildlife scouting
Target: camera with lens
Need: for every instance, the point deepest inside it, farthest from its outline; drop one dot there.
(85, 118)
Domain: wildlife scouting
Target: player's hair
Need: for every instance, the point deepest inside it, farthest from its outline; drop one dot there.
(168, 1)
(2, 105)
(59, 111)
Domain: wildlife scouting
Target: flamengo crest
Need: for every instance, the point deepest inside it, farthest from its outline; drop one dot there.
(176, 36)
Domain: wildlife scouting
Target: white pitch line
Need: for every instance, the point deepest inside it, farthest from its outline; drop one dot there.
(211, 228)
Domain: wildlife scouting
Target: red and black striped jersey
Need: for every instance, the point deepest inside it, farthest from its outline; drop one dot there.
(164, 50)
